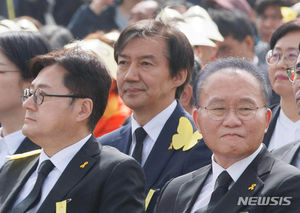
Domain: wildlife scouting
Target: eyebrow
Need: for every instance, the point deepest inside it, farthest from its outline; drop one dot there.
(140, 57)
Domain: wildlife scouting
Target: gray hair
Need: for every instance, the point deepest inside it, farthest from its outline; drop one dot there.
(233, 63)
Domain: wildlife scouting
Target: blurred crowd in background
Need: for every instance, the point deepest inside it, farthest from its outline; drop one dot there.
(215, 28)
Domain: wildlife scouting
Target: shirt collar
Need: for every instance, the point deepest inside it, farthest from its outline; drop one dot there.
(236, 169)
(155, 125)
(13, 140)
(285, 121)
(62, 158)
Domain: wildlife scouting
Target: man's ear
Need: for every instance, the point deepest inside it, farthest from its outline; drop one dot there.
(268, 118)
(185, 98)
(249, 42)
(84, 109)
(196, 121)
(180, 78)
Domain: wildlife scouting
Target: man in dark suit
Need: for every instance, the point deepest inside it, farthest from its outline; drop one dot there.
(155, 62)
(243, 177)
(73, 173)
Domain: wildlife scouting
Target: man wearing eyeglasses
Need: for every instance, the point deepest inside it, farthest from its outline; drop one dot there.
(231, 98)
(73, 172)
(290, 153)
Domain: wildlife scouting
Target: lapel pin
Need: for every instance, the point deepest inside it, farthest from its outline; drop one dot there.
(84, 164)
(252, 187)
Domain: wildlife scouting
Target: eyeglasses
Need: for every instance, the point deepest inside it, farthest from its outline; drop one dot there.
(39, 95)
(293, 73)
(220, 112)
(274, 56)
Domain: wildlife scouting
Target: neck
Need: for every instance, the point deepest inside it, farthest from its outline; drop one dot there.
(55, 143)
(12, 122)
(142, 118)
(289, 107)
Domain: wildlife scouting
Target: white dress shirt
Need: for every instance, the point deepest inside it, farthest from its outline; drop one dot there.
(60, 161)
(153, 129)
(285, 132)
(235, 171)
(9, 145)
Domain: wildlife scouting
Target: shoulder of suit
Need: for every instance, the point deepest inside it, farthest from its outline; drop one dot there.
(24, 155)
(113, 154)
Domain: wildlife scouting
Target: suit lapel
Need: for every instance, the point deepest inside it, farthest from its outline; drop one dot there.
(79, 166)
(26, 146)
(16, 174)
(189, 192)
(160, 154)
(248, 185)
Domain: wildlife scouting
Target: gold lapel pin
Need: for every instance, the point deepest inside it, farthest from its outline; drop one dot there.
(84, 164)
(252, 187)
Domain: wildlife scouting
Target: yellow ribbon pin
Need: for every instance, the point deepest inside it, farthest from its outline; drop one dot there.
(185, 138)
(84, 164)
(252, 187)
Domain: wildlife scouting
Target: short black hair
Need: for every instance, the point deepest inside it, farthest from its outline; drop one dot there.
(261, 5)
(21, 46)
(86, 76)
(232, 63)
(284, 29)
(233, 23)
(180, 53)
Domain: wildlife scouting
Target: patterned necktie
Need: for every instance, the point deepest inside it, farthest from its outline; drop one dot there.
(140, 135)
(221, 187)
(35, 194)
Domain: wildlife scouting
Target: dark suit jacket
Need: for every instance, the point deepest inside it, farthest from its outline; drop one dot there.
(110, 182)
(275, 113)
(26, 146)
(273, 178)
(163, 164)
(288, 153)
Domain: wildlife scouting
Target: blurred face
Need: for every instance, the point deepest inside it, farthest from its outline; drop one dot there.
(143, 10)
(11, 87)
(296, 85)
(55, 116)
(231, 47)
(269, 22)
(286, 46)
(143, 77)
(232, 138)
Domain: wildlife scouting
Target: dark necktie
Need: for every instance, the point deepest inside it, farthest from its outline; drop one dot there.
(221, 187)
(35, 194)
(140, 135)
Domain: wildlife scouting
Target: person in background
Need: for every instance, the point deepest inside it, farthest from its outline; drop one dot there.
(105, 15)
(72, 172)
(238, 33)
(144, 10)
(232, 115)
(155, 63)
(290, 153)
(285, 123)
(57, 36)
(16, 50)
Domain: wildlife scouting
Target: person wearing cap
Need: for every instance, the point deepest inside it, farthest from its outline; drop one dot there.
(155, 62)
(232, 115)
